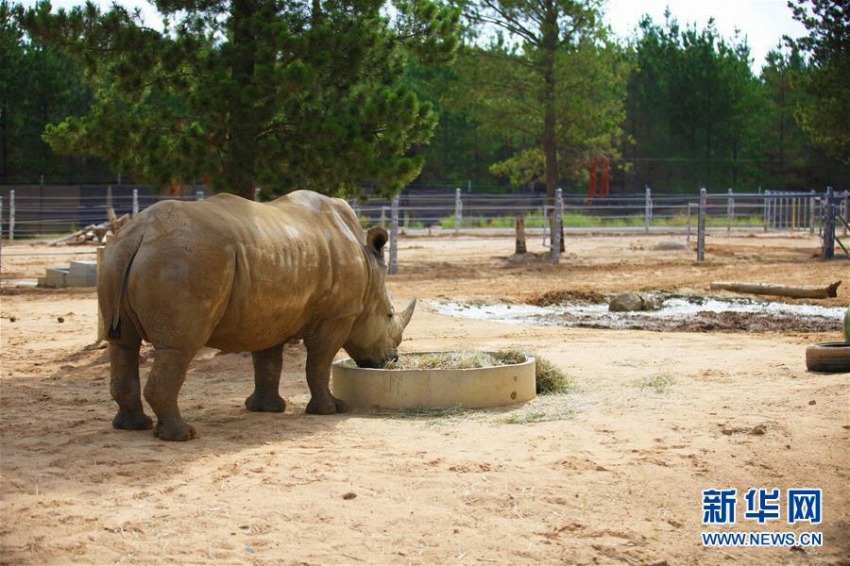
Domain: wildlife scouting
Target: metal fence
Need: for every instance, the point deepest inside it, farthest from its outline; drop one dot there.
(36, 211)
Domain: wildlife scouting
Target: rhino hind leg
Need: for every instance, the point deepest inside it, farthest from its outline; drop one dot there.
(124, 383)
(267, 367)
(164, 383)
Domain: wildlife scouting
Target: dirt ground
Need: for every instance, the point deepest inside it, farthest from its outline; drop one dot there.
(612, 472)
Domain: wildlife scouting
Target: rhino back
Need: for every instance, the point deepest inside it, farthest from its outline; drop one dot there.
(263, 272)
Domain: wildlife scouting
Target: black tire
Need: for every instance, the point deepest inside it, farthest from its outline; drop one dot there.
(829, 357)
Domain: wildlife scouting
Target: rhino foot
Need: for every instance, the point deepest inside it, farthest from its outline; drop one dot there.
(265, 404)
(179, 430)
(132, 421)
(326, 406)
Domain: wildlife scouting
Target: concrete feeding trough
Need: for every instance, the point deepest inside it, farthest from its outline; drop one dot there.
(473, 387)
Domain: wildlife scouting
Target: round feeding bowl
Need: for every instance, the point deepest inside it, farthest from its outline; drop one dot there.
(474, 388)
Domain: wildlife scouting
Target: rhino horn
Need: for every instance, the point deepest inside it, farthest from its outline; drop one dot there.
(404, 316)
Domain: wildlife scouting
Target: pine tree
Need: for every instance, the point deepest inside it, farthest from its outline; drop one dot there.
(247, 93)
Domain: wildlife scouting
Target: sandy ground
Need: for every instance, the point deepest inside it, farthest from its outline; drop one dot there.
(612, 472)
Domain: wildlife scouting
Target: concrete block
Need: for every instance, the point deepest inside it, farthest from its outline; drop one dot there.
(82, 274)
(56, 277)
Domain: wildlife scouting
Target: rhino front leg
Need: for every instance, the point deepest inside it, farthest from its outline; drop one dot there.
(164, 383)
(322, 344)
(124, 384)
(267, 367)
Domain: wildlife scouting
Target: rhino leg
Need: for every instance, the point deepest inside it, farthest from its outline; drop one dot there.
(267, 367)
(124, 384)
(164, 383)
(322, 343)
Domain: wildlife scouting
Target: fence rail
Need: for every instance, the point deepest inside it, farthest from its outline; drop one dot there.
(35, 211)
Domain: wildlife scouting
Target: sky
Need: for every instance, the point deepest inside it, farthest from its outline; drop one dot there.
(762, 22)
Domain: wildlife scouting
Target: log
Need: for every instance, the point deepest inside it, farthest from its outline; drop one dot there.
(93, 231)
(72, 237)
(829, 291)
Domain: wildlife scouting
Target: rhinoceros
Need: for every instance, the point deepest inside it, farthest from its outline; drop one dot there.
(238, 275)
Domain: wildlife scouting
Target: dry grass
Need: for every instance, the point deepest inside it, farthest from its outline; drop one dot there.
(660, 383)
(466, 359)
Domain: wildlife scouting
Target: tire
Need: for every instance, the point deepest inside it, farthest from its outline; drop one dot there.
(829, 357)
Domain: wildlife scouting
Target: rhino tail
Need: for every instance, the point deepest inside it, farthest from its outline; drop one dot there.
(126, 253)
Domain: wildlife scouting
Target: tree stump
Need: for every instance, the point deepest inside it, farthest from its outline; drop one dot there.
(520, 235)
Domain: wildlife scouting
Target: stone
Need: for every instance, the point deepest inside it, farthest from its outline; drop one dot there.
(632, 302)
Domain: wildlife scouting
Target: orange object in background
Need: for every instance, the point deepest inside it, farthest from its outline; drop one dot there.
(599, 185)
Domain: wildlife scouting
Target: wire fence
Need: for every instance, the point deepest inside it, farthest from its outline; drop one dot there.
(36, 211)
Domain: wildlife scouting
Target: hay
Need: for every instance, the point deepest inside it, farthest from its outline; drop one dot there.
(468, 359)
(548, 377)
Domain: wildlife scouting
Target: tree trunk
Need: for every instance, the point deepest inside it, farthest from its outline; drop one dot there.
(828, 291)
(521, 248)
(243, 126)
(550, 33)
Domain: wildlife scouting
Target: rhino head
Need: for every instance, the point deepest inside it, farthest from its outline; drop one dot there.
(377, 332)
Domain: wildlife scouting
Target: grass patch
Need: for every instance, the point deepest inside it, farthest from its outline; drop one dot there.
(660, 383)
(573, 219)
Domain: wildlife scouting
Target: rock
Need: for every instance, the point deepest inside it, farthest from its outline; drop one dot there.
(632, 302)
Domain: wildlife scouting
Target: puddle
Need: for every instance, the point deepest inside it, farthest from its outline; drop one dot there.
(677, 314)
(18, 283)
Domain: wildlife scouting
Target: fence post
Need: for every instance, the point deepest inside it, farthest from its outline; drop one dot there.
(730, 211)
(812, 213)
(765, 209)
(557, 216)
(135, 202)
(394, 236)
(647, 210)
(11, 215)
(701, 225)
(829, 225)
(458, 210)
(688, 232)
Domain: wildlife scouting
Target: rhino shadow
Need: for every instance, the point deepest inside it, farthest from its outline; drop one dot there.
(72, 405)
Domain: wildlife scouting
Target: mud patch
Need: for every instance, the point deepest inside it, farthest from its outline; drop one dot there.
(677, 314)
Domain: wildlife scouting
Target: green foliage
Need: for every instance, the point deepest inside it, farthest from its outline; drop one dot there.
(240, 94)
(693, 108)
(37, 84)
(553, 86)
(826, 114)
(334, 96)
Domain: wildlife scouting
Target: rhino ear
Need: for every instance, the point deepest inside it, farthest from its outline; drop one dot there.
(376, 239)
